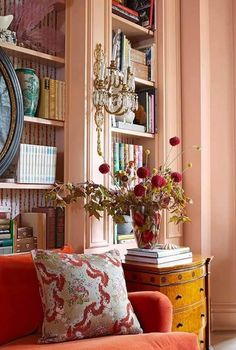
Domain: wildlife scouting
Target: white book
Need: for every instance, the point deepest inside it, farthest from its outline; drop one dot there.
(27, 163)
(161, 260)
(157, 252)
(54, 164)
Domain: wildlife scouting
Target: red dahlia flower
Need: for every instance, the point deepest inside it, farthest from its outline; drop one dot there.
(104, 168)
(174, 141)
(158, 181)
(139, 190)
(176, 177)
(143, 172)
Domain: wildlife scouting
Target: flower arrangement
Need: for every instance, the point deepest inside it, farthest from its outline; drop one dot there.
(143, 192)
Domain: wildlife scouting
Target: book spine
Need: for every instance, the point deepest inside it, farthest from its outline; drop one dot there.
(121, 156)
(138, 56)
(116, 165)
(52, 98)
(50, 225)
(43, 110)
(5, 242)
(60, 227)
(126, 155)
(140, 156)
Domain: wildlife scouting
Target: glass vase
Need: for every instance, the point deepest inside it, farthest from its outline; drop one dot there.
(146, 227)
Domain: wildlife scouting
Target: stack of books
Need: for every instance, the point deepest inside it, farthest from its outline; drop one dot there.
(159, 256)
(6, 242)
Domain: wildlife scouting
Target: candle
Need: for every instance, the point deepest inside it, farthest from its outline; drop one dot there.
(114, 52)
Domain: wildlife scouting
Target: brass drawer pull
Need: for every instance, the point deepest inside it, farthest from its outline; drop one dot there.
(180, 325)
(201, 341)
(202, 315)
(178, 297)
(201, 289)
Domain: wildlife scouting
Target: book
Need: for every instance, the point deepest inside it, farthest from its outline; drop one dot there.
(158, 260)
(138, 56)
(37, 221)
(43, 108)
(60, 227)
(5, 242)
(170, 263)
(125, 12)
(157, 252)
(140, 70)
(128, 126)
(50, 225)
(52, 98)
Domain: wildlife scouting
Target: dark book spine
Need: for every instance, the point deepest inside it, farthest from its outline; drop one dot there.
(60, 227)
(50, 225)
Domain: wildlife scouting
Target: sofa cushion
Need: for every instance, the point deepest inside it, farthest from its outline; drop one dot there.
(21, 309)
(83, 296)
(151, 341)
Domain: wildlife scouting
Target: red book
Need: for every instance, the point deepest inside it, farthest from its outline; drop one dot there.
(50, 225)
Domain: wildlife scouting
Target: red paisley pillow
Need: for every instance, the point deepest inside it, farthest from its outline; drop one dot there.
(83, 296)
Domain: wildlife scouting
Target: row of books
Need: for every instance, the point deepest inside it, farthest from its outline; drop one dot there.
(6, 231)
(51, 99)
(42, 228)
(159, 256)
(124, 153)
(145, 115)
(36, 164)
(141, 58)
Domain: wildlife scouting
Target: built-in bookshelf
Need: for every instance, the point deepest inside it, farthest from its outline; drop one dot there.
(28, 54)
(130, 139)
(23, 197)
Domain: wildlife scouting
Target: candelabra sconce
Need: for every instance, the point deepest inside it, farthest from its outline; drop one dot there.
(114, 91)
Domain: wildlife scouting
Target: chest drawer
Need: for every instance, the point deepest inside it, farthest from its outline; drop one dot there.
(164, 279)
(190, 320)
(185, 294)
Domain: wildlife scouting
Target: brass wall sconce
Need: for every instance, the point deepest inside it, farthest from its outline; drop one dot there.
(114, 91)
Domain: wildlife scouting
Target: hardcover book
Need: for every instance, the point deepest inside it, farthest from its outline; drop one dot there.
(158, 260)
(37, 221)
(50, 225)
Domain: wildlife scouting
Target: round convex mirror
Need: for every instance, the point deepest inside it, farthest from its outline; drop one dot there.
(11, 112)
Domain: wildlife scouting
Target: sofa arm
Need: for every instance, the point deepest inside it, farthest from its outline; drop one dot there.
(153, 310)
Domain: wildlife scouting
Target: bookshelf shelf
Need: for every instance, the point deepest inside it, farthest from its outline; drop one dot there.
(57, 123)
(37, 56)
(132, 30)
(17, 186)
(141, 83)
(133, 133)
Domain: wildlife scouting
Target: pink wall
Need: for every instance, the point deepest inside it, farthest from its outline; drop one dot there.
(208, 111)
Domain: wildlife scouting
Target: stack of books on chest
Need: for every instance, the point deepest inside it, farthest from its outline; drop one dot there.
(159, 256)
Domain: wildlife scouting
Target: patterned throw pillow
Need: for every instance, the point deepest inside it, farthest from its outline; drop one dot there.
(83, 296)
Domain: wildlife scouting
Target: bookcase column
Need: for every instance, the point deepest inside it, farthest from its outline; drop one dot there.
(169, 96)
(88, 23)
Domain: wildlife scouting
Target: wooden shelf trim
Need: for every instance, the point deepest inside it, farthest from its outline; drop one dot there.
(132, 30)
(36, 120)
(133, 133)
(142, 83)
(41, 57)
(20, 186)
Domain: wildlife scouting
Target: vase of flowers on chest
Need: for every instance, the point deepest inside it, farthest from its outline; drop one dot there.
(143, 193)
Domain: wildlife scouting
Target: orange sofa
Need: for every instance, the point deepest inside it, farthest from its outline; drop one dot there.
(21, 316)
